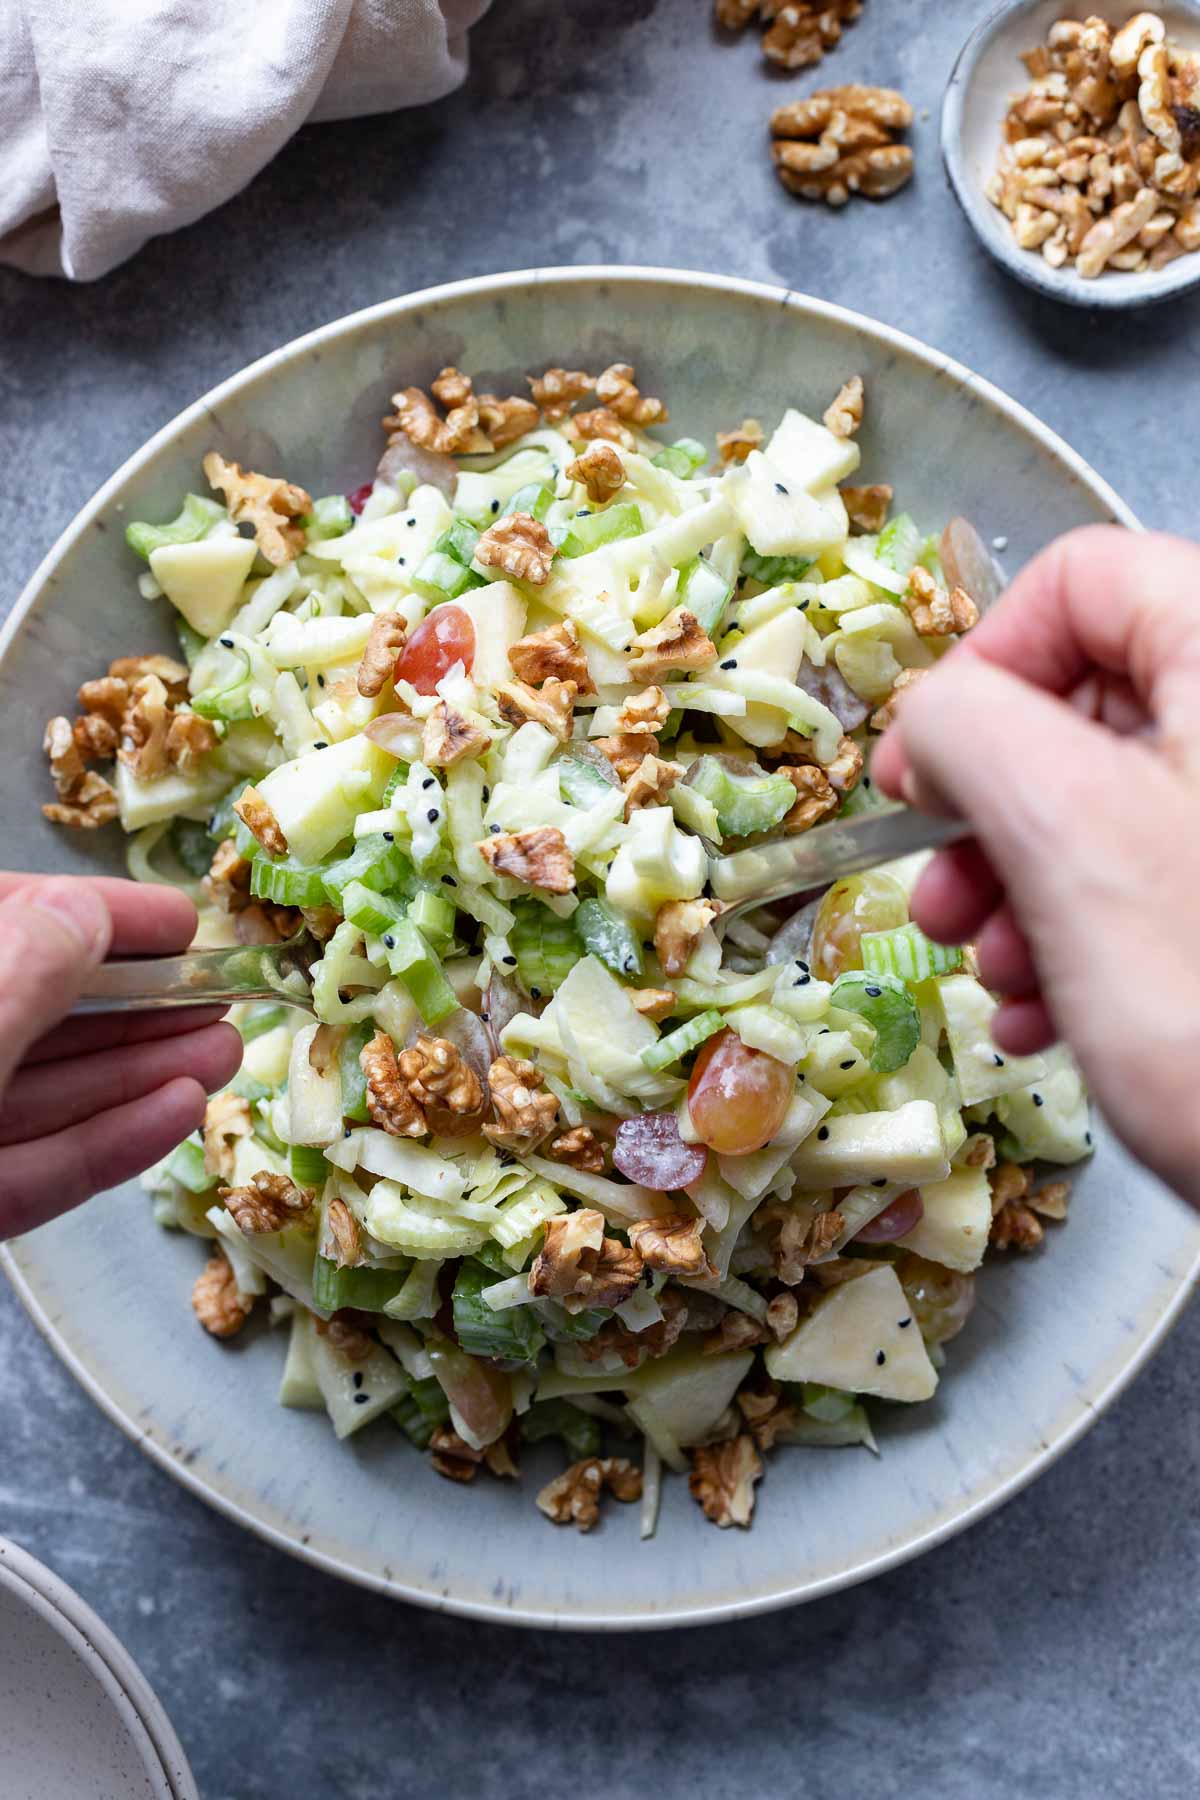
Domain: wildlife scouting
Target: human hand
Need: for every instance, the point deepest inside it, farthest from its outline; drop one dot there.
(1064, 728)
(88, 1102)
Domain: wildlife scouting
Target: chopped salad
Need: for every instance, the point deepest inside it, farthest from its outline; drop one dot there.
(566, 1147)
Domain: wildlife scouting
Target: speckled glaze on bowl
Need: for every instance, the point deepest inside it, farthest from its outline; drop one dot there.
(78, 1720)
(984, 79)
(1052, 1338)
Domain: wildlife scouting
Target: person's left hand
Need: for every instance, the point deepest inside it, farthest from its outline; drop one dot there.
(86, 1103)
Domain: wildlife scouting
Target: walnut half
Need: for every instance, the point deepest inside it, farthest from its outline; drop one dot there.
(573, 1498)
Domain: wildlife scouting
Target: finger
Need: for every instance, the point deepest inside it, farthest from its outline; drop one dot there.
(53, 932)
(52, 1095)
(147, 920)
(956, 893)
(105, 1031)
(39, 1180)
(1004, 958)
(1023, 1027)
(1110, 700)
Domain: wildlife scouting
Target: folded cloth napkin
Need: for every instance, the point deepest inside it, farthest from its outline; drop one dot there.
(121, 119)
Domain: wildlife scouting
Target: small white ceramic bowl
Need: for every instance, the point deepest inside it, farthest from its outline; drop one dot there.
(986, 76)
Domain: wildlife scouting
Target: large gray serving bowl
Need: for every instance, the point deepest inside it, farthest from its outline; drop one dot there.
(1053, 1338)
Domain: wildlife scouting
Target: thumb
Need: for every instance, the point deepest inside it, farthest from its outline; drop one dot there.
(53, 932)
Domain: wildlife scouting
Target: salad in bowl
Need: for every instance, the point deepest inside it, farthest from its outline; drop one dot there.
(565, 1147)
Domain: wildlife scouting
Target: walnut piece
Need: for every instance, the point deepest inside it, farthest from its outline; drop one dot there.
(884, 715)
(653, 1003)
(227, 883)
(844, 414)
(557, 390)
(85, 799)
(650, 782)
(96, 737)
(267, 502)
(579, 1148)
(766, 1412)
(1050, 1201)
(867, 507)
(573, 1498)
(554, 652)
(343, 1230)
(933, 611)
(555, 1269)
(506, 420)
(384, 643)
(723, 1478)
(520, 545)
(526, 1111)
(447, 736)
(188, 737)
(1016, 1227)
(671, 1243)
(539, 857)
(439, 1079)
(552, 705)
(735, 15)
(346, 1336)
(838, 142)
(227, 1117)
(451, 1455)
(802, 31)
(600, 470)
(617, 389)
(636, 1347)
(602, 422)
(218, 1303)
(737, 1331)
(416, 418)
(256, 815)
(735, 446)
(262, 922)
(676, 642)
(678, 927)
(143, 746)
(816, 797)
(389, 1100)
(798, 1235)
(268, 1202)
(644, 714)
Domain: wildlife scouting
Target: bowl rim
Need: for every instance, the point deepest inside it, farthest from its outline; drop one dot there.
(1109, 293)
(1081, 1411)
(86, 1635)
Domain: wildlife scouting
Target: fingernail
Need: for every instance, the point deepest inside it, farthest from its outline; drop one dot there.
(909, 792)
(81, 910)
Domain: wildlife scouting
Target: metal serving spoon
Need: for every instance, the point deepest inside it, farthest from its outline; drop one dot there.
(744, 879)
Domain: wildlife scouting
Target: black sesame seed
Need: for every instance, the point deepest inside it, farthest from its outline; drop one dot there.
(803, 607)
(879, 1181)
(873, 993)
(1087, 1137)
(802, 981)
(803, 1077)
(866, 781)
(493, 828)
(905, 1323)
(779, 488)
(801, 964)
(345, 1131)
(321, 744)
(320, 681)
(428, 782)
(402, 560)
(389, 837)
(449, 881)
(389, 942)
(535, 993)
(433, 815)
(361, 1399)
(511, 961)
(823, 1133)
(998, 1060)
(486, 794)
(824, 1031)
(410, 523)
(585, 512)
(228, 643)
(358, 1378)
(629, 966)
(881, 1357)
(847, 1065)
(495, 506)
(731, 663)
(485, 1017)
(1038, 1101)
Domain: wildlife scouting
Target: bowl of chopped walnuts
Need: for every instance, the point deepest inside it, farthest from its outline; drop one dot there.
(1071, 137)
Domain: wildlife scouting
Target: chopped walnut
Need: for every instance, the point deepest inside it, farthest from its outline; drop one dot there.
(1050, 1201)
(554, 652)
(650, 782)
(933, 611)
(653, 1003)
(573, 1498)
(384, 643)
(723, 1478)
(552, 705)
(450, 1454)
(678, 927)
(867, 507)
(798, 1236)
(555, 1270)
(617, 389)
(539, 857)
(321, 921)
(256, 815)
(506, 420)
(526, 1111)
(783, 1314)
(416, 418)
(735, 15)
(498, 1461)
(626, 753)
(345, 1234)
(447, 736)
(804, 30)
(816, 797)
(884, 715)
(227, 1117)
(262, 922)
(520, 545)
(267, 502)
(440, 1080)
(600, 470)
(671, 1243)
(636, 1347)
(96, 737)
(579, 1148)
(844, 414)
(644, 714)
(1008, 1181)
(227, 883)
(602, 422)
(217, 1301)
(389, 1100)
(557, 390)
(268, 1202)
(85, 799)
(737, 1331)
(188, 737)
(979, 1151)
(604, 1277)
(838, 142)
(735, 446)
(451, 387)
(346, 1336)
(677, 642)
(107, 696)
(766, 1412)
(172, 674)
(143, 745)
(1110, 235)
(1016, 1227)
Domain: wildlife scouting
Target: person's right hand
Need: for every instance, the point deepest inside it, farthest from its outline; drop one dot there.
(1066, 729)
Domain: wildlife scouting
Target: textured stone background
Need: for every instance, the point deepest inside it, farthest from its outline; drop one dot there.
(1051, 1650)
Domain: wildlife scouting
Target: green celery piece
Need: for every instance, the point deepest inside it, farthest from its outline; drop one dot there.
(186, 1166)
(535, 498)
(884, 1002)
(287, 882)
(191, 643)
(369, 1290)
(411, 959)
(681, 458)
(673, 721)
(374, 863)
(395, 782)
(492, 1257)
(249, 1088)
(545, 946)
(223, 821)
(899, 544)
(446, 572)
(773, 570)
(262, 1020)
(192, 845)
(589, 532)
(422, 1410)
(865, 798)
(194, 521)
(705, 593)
(563, 1327)
(514, 1334)
(685, 1038)
(825, 1403)
(330, 517)
(906, 951)
(459, 541)
(744, 803)
(266, 1131)
(308, 1166)
(228, 700)
(376, 914)
(604, 934)
(433, 915)
(556, 1418)
(580, 781)
(354, 1082)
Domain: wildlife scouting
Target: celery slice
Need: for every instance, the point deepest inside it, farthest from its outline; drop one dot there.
(513, 1334)
(744, 803)
(195, 520)
(374, 863)
(604, 934)
(885, 1002)
(545, 946)
(906, 952)
(433, 916)
(330, 517)
(772, 570)
(705, 593)
(418, 967)
(579, 1432)
(682, 458)
(367, 1289)
(422, 1410)
(354, 1082)
(287, 882)
(186, 1166)
(590, 532)
(827, 1404)
(535, 498)
(679, 1042)
(376, 914)
(308, 1166)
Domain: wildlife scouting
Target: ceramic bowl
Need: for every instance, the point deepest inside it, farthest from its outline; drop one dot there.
(79, 1719)
(1052, 1339)
(984, 79)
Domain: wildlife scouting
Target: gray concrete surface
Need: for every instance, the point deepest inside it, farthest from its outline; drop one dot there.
(1049, 1652)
